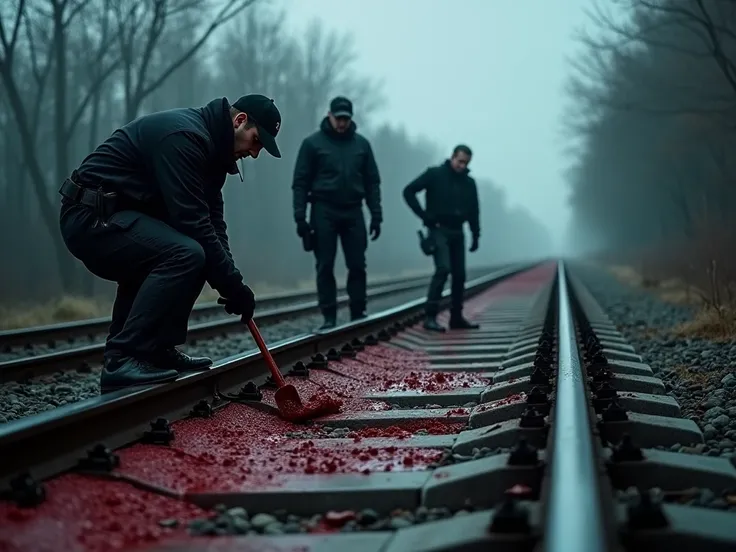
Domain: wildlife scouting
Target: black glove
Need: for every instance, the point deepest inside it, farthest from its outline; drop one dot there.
(474, 245)
(375, 229)
(429, 221)
(308, 242)
(302, 228)
(242, 303)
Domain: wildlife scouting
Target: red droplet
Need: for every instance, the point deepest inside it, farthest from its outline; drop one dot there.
(338, 519)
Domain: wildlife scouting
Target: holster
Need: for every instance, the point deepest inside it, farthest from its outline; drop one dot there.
(104, 204)
(427, 243)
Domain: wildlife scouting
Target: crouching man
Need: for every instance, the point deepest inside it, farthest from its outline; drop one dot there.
(145, 210)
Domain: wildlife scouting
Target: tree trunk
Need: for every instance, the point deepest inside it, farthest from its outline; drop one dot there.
(48, 209)
(67, 268)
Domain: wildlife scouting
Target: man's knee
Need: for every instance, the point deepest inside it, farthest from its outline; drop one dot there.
(441, 269)
(355, 261)
(189, 254)
(325, 269)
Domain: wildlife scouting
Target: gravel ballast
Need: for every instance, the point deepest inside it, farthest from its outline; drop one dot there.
(699, 373)
(18, 400)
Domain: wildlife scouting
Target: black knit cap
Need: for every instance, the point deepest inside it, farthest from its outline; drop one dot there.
(266, 116)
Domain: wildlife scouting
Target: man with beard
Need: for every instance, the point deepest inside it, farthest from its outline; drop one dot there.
(145, 210)
(451, 200)
(335, 171)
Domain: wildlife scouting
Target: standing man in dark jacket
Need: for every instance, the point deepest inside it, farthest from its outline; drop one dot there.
(335, 171)
(451, 200)
(145, 210)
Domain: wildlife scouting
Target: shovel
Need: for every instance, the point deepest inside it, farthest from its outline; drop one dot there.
(287, 398)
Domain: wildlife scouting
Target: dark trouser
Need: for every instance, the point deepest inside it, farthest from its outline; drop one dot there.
(159, 271)
(328, 223)
(449, 260)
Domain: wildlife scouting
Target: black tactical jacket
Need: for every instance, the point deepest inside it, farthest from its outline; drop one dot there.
(451, 197)
(172, 165)
(338, 169)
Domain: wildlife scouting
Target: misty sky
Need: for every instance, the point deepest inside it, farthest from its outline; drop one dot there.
(489, 73)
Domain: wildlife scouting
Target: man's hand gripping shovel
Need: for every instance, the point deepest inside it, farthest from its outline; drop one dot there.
(287, 398)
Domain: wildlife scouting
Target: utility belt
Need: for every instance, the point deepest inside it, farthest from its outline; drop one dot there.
(451, 224)
(103, 204)
(331, 202)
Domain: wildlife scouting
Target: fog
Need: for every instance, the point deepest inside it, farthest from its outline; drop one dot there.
(423, 77)
(490, 73)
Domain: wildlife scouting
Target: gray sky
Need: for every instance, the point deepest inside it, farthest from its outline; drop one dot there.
(489, 73)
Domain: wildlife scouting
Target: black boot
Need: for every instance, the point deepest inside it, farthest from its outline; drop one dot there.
(357, 310)
(173, 358)
(357, 315)
(129, 372)
(431, 324)
(330, 316)
(459, 323)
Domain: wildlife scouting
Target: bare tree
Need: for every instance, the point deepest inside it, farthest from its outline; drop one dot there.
(327, 70)
(651, 121)
(46, 25)
(141, 27)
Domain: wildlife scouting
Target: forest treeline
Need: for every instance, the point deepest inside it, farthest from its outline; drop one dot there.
(71, 71)
(651, 127)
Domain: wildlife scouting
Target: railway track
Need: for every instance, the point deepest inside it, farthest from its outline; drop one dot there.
(84, 340)
(48, 337)
(522, 435)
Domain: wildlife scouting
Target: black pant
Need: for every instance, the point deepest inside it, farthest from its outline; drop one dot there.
(449, 260)
(329, 222)
(159, 271)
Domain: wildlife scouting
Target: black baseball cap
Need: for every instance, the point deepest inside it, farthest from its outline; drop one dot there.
(264, 113)
(341, 107)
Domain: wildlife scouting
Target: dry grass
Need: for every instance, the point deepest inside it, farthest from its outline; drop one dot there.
(626, 274)
(71, 308)
(710, 323)
(64, 309)
(685, 374)
(671, 290)
(678, 292)
(716, 315)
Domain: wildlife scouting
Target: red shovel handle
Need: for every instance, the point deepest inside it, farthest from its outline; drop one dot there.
(275, 372)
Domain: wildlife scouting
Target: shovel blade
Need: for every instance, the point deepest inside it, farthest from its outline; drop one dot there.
(289, 402)
(293, 409)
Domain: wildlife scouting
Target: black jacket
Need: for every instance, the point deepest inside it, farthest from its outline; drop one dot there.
(172, 165)
(338, 169)
(451, 197)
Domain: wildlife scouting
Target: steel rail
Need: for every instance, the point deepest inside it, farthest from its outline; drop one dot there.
(574, 510)
(53, 441)
(66, 359)
(93, 326)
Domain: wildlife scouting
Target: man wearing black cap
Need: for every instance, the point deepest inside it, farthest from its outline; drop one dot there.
(451, 199)
(145, 210)
(335, 171)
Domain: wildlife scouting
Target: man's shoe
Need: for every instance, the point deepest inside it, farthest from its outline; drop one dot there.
(357, 316)
(129, 372)
(432, 325)
(182, 362)
(462, 324)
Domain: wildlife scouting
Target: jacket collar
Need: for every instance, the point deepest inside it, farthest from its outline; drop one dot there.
(217, 118)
